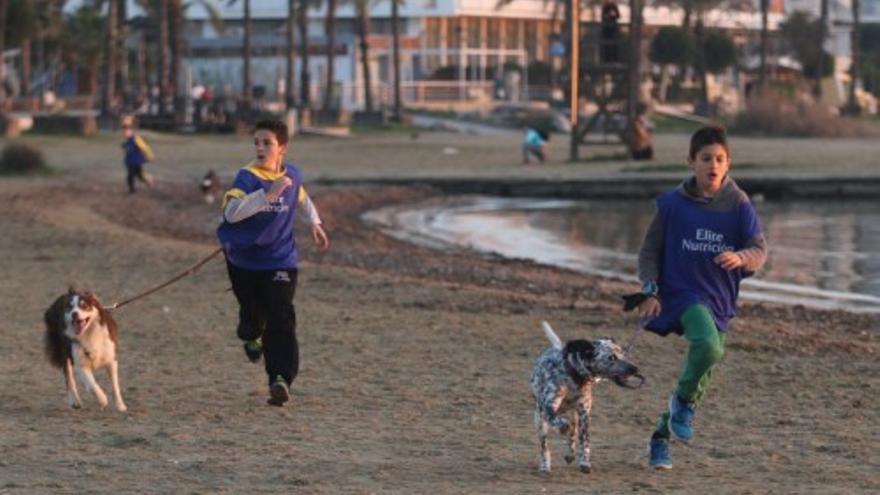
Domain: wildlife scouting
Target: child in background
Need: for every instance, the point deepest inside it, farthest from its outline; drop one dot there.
(137, 153)
(704, 239)
(533, 144)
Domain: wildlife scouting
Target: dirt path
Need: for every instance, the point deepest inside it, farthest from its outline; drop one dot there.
(414, 370)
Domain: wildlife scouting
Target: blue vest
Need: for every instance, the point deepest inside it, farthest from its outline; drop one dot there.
(134, 156)
(263, 241)
(693, 235)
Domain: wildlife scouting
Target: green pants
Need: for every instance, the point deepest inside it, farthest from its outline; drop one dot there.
(705, 351)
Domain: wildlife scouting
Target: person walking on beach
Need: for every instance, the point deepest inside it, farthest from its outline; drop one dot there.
(261, 254)
(704, 239)
(533, 144)
(137, 153)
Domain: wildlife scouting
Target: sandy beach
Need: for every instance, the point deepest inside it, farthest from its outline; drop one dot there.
(414, 362)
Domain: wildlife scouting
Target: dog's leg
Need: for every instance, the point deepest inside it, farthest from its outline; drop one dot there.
(89, 379)
(572, 441)
(585, 404)
(552, 401)
(541, 427)
(113, 371)
(72, 392)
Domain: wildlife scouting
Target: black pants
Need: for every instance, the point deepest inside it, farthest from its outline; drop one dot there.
(135, 172)
(266, 310)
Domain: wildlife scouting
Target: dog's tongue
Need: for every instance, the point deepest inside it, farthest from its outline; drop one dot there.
(79, 325)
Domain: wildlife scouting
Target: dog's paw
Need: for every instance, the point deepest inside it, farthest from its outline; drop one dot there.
(569, 459)
(564, 425)
(120, 406)
(75, 404)
(102, 400)
(544, 473)
(585, 468)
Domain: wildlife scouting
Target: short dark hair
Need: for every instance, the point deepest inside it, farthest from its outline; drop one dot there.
(707, 136)
(275, 127)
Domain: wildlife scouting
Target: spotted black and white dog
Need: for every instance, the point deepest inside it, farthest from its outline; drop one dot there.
(562, 382)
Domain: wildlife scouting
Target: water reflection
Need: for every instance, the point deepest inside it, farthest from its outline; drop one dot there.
(824, 254)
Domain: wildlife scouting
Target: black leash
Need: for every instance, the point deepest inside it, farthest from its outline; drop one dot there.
(188, 271)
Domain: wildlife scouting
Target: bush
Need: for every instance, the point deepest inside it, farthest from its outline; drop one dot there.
(772, 114)
(22, 159)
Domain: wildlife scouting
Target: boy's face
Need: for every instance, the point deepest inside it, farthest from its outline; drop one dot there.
(710, 166)
(267, 149)
(127, 131)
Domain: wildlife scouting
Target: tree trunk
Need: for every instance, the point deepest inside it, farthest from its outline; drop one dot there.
(164, 58)
(107, 103)
(700, 66)
(855, 56)
(331, 53)
(177, 48)
(820, 62)
(246, 58)
(289, 99)
(635, 76)
(3, 5)
(26, 67)
(762, 73)
(364, 33)
(395, 35)
(143, 90)
(305, 85)
(123, 82)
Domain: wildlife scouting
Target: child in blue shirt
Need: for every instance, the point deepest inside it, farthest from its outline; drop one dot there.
(261, 254)
(137, 153)
(704, 239)
(533, 144)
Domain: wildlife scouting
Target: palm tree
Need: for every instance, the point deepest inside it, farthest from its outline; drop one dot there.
(855, 56)
(83, 39)
(820, 62)
(395, 36)
(177, 48)
(762, 73)
(164, 57)
(362, 7)
(3, 6)
(246, 56)
(330, 28)
(21, 32)
(107, 102)
(304, 82)
(290, 56)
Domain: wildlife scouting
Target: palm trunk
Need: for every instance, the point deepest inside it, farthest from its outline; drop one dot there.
(164, 57)
(26, 67)
(246, 57)
(289, 99)
(305, 85)
(177, 48)
(123, 81)
(820, 62)
(142, 89)
(855, 56)
(3, 5)
(700, 65)
(762, 73)
(364, 33)
(395, 35)
(635, 76)
(107, 104)
(331, 53)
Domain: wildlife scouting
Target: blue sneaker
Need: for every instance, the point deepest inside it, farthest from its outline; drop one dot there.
(658, 453)
(681, 418)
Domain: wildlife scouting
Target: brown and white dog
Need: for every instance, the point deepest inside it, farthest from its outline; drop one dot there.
(81, 336)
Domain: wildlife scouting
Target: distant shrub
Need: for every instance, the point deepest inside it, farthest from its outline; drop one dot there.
(773, 114)
(22, 159)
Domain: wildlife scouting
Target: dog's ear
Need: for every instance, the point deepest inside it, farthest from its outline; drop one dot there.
(54, 336)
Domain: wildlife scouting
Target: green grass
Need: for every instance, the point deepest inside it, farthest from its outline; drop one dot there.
(672, 125)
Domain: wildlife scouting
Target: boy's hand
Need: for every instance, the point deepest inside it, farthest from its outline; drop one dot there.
(278, 187)
(728, 260)
(320, 237)
(649, 308)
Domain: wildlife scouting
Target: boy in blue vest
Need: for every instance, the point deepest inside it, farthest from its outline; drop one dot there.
(261, 254)
(137, 153)
(704, 239)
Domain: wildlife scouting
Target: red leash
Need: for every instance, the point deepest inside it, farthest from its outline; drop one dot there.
(188, 271)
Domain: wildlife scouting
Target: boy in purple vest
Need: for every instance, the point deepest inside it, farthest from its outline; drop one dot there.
(704, 239)
(261, 255)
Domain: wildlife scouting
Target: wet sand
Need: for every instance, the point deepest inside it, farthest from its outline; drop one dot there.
(414, 375)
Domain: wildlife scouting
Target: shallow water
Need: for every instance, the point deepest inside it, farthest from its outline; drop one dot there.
(823, 254)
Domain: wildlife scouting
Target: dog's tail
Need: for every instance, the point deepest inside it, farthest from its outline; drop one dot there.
(551, 335)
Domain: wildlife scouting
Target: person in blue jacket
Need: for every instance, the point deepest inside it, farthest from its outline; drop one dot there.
(261, 254)
(704, 239)
(534, 143)
(137, 153)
